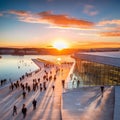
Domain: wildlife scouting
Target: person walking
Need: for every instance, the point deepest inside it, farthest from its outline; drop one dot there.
(34, 104)
(24, 111)
(14, 110)
(63, 83)
(53, 87)
(78, 83)
(102, 90)
(24, 94)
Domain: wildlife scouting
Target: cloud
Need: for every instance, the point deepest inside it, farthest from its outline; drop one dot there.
(110, 28)
(1, 14)
(90, 10)
(19, 13)
(48, 17)
(97, 44)
(110, 34)
(64, 20)
(101, 45)
(22, 15)
(25, 16)
(50, 0)
(109, 22)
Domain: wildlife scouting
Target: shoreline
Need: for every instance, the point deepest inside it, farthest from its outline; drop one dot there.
(36, 61)
(8, 81)
(7, 84)
(9, 97)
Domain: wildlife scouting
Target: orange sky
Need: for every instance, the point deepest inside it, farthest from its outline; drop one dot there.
(81, 24)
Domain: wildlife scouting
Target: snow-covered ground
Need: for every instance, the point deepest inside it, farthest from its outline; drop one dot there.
(48, 102)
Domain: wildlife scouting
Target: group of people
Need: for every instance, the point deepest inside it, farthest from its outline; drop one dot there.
(76, 83)
(39, 83)
(3, 82)
(24, 108)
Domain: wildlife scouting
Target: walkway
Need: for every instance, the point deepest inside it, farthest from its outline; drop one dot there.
(48, 102)
(87, 104)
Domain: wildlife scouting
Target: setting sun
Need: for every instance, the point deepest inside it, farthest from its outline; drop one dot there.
(60, 45)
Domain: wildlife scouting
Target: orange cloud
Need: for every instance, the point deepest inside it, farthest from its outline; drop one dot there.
(110, 34)
(111, 28)
(25, 16)
(99, 45)
(110, 22)
(19, 13)
(90, 10)
(64, 20)
(48, 17)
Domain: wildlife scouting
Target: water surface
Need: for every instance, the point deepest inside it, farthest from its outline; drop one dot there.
(13, 67)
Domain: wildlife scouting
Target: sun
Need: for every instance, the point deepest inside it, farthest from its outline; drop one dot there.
(60, 45)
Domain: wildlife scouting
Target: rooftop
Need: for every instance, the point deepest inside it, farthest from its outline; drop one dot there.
(109, 58)
(107, 54)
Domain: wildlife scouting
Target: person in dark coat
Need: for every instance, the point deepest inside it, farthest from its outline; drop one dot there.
(24, 111)
(53, 87)
(63, 83)
(34, 104)
(24, 94)
(78, 83)
(40, 88)
(102, 90)
(14, 110)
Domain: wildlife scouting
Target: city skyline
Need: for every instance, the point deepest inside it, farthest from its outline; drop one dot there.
(81, 24)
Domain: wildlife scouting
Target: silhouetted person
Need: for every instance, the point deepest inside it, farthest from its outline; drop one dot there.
(24, 94)
(73, 82)
(53, 87)
(40, 88)
(12, 86)
(102, 90)
(24, 111)
(34, 104)
(78, 83)
(38, 79)
(63, 83)
(29, 89)
(14, 110)
(23, 87)
(54, 77)
(26, 86)
(45, 88)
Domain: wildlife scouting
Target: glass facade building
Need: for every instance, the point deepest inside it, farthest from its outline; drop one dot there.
(98, 68)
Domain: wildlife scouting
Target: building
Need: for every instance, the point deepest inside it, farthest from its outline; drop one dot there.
(98, 68)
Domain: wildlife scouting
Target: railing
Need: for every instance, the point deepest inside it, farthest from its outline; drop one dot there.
(69, 74)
